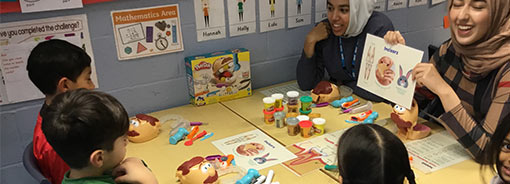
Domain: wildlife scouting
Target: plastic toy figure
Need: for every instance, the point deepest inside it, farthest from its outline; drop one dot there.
(205, 8)
(197, 171)
(271, 3)
(407, 122)
(143, 128)
(223, 71)
(325, 92)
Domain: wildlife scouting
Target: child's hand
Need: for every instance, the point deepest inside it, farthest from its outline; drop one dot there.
(132, 170)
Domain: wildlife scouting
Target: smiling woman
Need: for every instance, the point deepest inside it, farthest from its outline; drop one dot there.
(336, 44)
(470, 74)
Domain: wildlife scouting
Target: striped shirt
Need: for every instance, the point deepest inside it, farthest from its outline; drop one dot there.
(483, 105)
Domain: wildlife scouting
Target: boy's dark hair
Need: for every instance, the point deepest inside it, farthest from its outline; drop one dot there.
(51, 60)
(491, 154)
(370, 154)
(81, 121)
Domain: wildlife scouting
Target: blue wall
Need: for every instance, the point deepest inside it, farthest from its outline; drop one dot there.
(155, 83)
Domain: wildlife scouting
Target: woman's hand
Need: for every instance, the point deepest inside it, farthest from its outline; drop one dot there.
(426, 74)
(394, 37)
(318, 33)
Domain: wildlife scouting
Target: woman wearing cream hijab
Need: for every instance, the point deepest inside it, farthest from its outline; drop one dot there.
(469, 75)
(336, 44)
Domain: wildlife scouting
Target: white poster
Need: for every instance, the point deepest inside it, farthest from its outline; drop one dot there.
(417, 2)
(254, 149)
(209, 19)
(28, 6)
(435, 152)
(147, 31)
(386, 70)
(396, 4)
(299, 12)
(17, 40)
(380, 5)
(321, 11)
(434, 2)
(241, 17)
(272, 15)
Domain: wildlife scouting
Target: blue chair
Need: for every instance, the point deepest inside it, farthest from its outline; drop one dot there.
(31, 165)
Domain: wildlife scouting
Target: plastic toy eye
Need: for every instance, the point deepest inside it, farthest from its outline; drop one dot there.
(399, 109)
(134, 123)
(205, 167)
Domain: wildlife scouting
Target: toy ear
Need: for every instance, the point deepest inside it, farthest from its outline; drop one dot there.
(409, 73)
(400, 67)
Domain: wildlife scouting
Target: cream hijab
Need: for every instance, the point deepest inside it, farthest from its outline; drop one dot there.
(494, 49)
(359, 13)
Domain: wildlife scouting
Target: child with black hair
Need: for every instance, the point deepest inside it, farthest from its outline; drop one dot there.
(370, 154)
(55, 66)
(497, 155)
(88, 129)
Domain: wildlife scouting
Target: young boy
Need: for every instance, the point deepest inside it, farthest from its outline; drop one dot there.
(55, 66)
(88, 129)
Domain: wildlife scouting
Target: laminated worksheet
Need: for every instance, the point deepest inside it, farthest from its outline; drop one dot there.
(435, 152)
(314, 153)
(385, 70)
(254, 150)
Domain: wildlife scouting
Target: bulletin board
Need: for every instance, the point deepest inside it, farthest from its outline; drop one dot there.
(12, 6)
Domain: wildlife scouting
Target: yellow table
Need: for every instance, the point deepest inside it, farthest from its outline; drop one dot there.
(164, 158)
(250, 108)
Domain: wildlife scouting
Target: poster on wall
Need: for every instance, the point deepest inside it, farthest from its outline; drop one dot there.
(272, 15)
(434, 2)
(321, 11)
(17, 39)
(254, 149)
(396, 4)
(413, 3)
(28, 6)
(209, 19)
(386, 70)
(380, 5)
(299, 12)
(241, 17)
(148, 31)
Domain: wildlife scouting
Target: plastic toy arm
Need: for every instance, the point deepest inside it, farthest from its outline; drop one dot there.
(338, 103)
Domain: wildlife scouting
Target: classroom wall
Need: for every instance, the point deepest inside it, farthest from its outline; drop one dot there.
(155, 83)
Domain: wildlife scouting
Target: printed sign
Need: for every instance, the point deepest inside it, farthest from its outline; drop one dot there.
(147, 31)
(386, 70)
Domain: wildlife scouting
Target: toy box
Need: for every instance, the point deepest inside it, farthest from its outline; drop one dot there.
(218, 76)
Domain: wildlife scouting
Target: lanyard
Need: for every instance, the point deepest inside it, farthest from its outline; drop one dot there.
(353, 56)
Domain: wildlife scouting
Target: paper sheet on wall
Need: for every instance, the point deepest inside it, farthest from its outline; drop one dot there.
(439, 150)
(380, 5)
(148, 31)
(28, 6)
(272, 15)
(396, 4)
(314, 153)
(241, 16)
(386, 69)
(434, 2)
(299, 12)
(209, 19)
(254, 149)
(417, 2)
(321, 11)
(17, 40)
